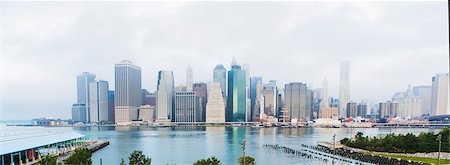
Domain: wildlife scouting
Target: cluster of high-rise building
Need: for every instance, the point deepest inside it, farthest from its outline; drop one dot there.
(235, 96)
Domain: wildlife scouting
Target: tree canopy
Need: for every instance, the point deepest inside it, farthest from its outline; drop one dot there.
(80, 157)
(138, 158)
(248, 160)
(210, 161)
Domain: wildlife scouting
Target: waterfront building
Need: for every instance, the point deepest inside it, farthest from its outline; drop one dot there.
(147, 113)
(201, 89)
(79, 112)
(387, 109)
(254, 82)
(439, 95)
(424, 93)
(296, 102)
(361, 110)
(111, 109)
(189, 78)
(98, 101)
(351, 110)
(344, 88)
(269, 92)
(187, 107)
(408, 105)
(215, 108)
(165, 96)
(220, 76)
(127, 97)
(236, 99)
(83, 81)
(328, 112)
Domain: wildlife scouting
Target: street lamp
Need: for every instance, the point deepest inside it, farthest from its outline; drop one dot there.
(334, 147)
(439, 138)
(243, 149)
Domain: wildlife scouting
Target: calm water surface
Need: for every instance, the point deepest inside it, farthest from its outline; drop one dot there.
(186, 144)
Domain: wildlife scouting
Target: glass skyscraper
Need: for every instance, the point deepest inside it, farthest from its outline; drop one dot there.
(127, 98)
(236, 99)
(165, 96)
(83, 81)
(220, 76)
(254, 81)
(98, 101)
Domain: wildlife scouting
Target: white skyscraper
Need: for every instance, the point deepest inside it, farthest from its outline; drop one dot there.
(189, 78)
(81, 109)
(344, 88)
(408, 105)
(128, 92)
(439, 95)
(165, 96)
(215, 108)
(98, 103)
(246, 68)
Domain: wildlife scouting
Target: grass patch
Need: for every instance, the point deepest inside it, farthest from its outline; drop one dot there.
(417, 159)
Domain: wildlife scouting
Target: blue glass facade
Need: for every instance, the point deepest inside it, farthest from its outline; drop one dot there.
(236, 100)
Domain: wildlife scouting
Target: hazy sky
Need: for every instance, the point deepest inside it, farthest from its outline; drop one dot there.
(45, 45)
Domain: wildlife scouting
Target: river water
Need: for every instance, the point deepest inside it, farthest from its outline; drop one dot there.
(186, 144)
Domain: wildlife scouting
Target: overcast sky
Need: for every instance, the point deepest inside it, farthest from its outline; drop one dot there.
(45, 45)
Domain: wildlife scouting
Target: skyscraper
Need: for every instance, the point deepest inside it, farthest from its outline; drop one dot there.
(408, 104)
(439, 95)
(220, 76)
(344, 88)
(254, 81)
(236, 99)
(187, 107)
(424, 93)
(246, 68)
(111, 109)
(201, 89)
(127, 98)
(270, 92)
(215, 108)
(98, 101)
(79, 112)
(362, 110)
(352, 109)
(387, 109)
(82, 104)
(165, 96)
(189, 78)
(324, 102)
(296, 102)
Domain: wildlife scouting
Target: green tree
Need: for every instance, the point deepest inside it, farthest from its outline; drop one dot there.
(210, 161)
(80, 157)
(248, 160)
(49, 160)
(137, 158)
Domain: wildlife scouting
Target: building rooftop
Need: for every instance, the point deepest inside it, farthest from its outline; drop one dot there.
(14, 139)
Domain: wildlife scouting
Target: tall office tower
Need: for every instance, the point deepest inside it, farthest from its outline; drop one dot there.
(351, 109)
(361, 110)
(408, 104)
(439, 95)
(201, 89)
(187, 107)
(165, 96)
(258, 108)
(279, 103)
(111, 114)
(324, 102)
(295, 95)
(215, 108)
(387, 109)
(236, 99)
(79, 112)
(83, 81)
(254, 81)
(246, 68)
(127, 97)
(220, 76)
(269, 92)
(189, 78)
(424, 93)
(344, 88)
(98, 101)
(309, 103)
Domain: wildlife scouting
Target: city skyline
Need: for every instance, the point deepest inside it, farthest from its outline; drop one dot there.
(380, 67)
